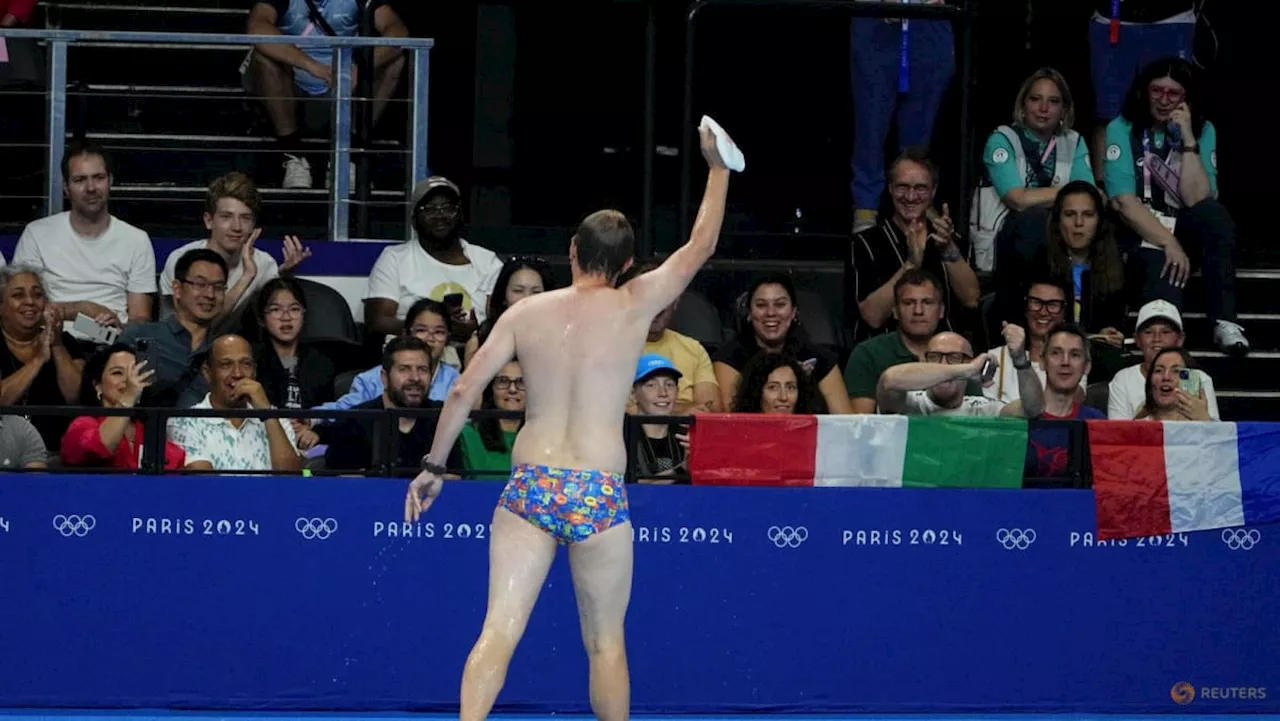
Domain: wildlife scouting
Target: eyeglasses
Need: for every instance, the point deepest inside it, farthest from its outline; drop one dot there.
(437, 331)
(200, 285)
(904, 189)
(953, 359)
(1035, 304)
(444, 211)
(279, 311)
(503, 383)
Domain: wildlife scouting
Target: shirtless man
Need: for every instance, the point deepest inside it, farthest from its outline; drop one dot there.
(578, 347)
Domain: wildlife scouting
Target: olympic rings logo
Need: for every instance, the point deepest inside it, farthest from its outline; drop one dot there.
(788, 536)
(74, 525)
(1240, 539)
(1016, 538)
(313, 528)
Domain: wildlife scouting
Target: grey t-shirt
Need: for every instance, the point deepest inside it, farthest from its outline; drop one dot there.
(20, 443)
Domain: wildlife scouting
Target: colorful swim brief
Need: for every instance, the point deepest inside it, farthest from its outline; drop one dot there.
(571, 505)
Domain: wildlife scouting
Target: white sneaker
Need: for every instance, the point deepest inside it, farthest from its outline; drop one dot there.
(297, 173)
(1229, 337)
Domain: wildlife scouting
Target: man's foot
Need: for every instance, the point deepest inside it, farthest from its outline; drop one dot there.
(863, 220)
(297, 173)
(1229, 337)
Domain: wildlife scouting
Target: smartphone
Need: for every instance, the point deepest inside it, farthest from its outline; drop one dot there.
(1189, 382)
(989, 368)
(453, 300)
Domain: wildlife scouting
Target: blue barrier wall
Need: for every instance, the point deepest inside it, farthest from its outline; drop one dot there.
(274, 593)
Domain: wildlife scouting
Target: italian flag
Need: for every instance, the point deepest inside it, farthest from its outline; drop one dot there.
(857, 450)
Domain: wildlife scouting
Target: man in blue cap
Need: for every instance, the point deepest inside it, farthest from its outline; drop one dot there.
(659, 453)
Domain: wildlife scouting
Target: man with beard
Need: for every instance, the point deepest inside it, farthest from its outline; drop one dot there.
(176, 346)
(440, 266)
(362, 444)
(235, 444)
(93, 262)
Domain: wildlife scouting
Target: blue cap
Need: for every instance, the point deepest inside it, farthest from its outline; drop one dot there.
(651, 363)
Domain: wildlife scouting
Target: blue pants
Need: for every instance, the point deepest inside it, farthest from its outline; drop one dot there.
(1116, 66)
(875, 54)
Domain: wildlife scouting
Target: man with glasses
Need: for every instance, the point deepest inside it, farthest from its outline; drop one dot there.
(936, 387)
(441, 266)
(1045, 307)
(175, 347)
(915, 237)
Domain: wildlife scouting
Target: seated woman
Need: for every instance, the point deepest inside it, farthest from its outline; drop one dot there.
(40, 365)
(294, 374)
(660, 451)
(520, 277)
(486, 444)
(1028, 162)
(114, 378)
(1162, 174)
(1174, 392)
(772, 326)
(776, 383)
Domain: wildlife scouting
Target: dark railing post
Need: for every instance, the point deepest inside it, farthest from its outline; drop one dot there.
(629, 440)
(686, 122)
(154, 434)
(966, 132)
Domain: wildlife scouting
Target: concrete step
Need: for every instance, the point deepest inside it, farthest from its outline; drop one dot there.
(1249, 405)
(1255, 372)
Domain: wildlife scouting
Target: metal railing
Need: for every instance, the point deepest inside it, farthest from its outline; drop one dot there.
(1077, 472)
(962, 16)
(419, 50)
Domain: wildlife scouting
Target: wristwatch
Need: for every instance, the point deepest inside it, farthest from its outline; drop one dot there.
(433, 468)
(1191, 148)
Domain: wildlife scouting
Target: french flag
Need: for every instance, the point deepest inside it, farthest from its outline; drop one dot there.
(1152, 478)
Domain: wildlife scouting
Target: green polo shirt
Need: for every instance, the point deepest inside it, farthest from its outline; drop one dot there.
(873, 356)
(487, 464)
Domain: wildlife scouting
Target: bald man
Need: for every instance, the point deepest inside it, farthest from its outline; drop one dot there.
(936, 386)
(235, 444)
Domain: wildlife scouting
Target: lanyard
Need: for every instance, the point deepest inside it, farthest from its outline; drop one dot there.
(1115, 21)
(904, 63)
(1048, 150)
(1146, 168)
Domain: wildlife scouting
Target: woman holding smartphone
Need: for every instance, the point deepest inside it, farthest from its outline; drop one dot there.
(1174, 392)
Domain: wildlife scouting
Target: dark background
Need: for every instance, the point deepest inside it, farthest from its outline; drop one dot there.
(778, 79)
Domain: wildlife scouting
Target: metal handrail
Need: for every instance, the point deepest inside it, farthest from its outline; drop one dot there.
(962, 16)
(340, 184)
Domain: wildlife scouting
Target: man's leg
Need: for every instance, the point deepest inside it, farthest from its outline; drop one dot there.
(519, 557)
(601, 569)
(1112, 69)
(273, 82)
(874, 46)
(385, 81)
(932, 64)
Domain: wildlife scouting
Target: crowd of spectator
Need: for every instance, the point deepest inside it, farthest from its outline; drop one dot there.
(1027, 315)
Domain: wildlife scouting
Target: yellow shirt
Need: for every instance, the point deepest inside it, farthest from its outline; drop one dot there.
(689, 357)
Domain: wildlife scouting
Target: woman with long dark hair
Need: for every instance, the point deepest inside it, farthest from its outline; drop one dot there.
(777, 383)
(1170, 396)
(1162, 174)
(520, 278)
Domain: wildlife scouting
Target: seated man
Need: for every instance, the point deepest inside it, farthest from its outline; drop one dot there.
(699, 390)
(1159, 327)
(234, 444)
(1065, 360)
(362, 444)
(20, 444)
(93, 263)
(936, 387)
(440, 266)
(232, 208)
(175, 348)
(280, 73)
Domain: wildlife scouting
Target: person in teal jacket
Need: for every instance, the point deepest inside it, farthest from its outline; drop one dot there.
(1161, 170)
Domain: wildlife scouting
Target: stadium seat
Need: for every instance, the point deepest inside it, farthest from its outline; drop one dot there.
(817, 321)
(1097, 395)
(697, 318)
(328, 315)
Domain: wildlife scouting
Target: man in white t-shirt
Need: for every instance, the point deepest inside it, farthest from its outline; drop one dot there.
(1159, 327)
(936, 386)
(232, 208)
(1045, 308)
(93, 262)
(440, 266)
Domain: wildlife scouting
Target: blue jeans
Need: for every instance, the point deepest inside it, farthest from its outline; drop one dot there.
(1116, 66)
(875, 55)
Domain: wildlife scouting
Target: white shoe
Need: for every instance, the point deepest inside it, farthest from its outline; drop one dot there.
(297, 173)
(1229, 337)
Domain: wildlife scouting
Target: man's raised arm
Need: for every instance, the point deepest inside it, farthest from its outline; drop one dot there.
(660, 288)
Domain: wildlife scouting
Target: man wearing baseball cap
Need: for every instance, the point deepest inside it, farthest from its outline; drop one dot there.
(440, 266)
(659, 454)
(1159, 327)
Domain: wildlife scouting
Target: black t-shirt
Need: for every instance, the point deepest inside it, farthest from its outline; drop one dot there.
(359, 444)
(656, 455)
(876, 254)
(44, 391)
(817, 360)
(1144, 11)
